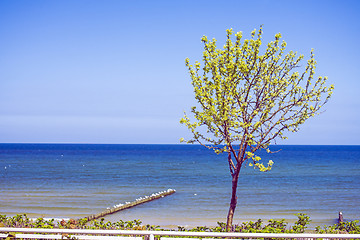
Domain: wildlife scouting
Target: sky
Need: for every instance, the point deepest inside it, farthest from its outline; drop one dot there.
(114, 71)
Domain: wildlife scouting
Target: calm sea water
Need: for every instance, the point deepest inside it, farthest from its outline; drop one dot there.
(76, 180)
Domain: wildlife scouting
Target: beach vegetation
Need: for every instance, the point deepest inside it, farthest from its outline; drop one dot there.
(248, 98)
(272, 226)
(259, 226)
(351, 227)
(23, 221)
(301, 223)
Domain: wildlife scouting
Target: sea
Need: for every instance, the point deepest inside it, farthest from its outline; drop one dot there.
(78, 180)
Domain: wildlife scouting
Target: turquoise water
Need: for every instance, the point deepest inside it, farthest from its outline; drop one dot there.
(76, 180)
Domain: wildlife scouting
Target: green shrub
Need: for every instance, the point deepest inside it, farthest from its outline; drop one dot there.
(272, 226)
(351, 227)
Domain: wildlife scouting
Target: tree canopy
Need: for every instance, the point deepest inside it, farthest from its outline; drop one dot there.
(248, 98)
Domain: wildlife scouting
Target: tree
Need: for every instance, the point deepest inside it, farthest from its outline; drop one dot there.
(248, 99)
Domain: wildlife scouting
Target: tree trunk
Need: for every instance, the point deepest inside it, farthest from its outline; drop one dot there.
(233, 201)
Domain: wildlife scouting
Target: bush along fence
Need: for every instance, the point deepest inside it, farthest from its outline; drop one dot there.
(259, 226)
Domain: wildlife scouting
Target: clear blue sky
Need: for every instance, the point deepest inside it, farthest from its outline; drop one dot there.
(113, 71)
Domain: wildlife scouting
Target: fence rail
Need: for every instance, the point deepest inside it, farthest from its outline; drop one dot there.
(88, 234)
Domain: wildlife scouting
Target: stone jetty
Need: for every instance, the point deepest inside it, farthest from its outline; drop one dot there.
(126, 205)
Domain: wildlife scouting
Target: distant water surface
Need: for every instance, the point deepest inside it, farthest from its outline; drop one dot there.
(76, 180)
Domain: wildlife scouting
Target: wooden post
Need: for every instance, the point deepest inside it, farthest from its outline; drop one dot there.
(341, 218)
